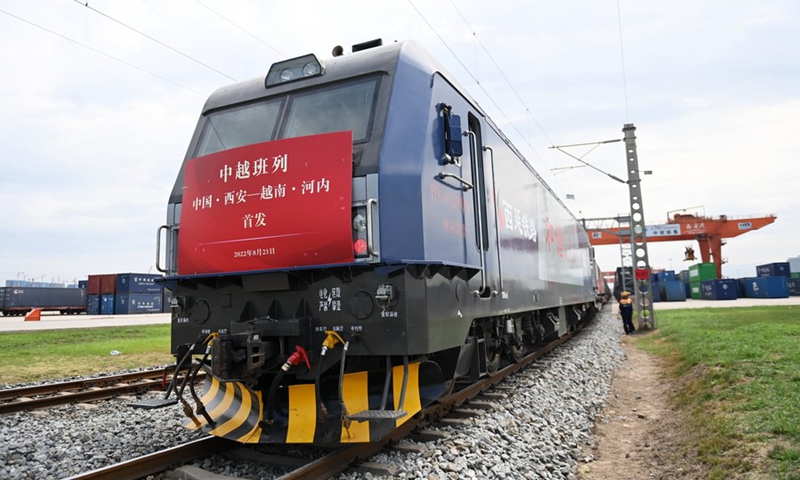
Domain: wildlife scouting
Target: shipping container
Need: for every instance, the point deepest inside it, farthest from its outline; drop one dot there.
(674, 291)
(132, 283)
(138, 303)
(719, 289)
(778, 269)
(702, 271)
(20, 300)
(740, 290)
(793, 286)
(657, 291)
(93, 285)
(108, 284)
(683, 276)
(107, 304)
(666, 275)
(795, 274)
(83, 284)
(93, 304)
(766, 287)
(696, 290)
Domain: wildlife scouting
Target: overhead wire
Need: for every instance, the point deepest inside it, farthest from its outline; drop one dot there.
(86, 4)
(522, 136)
(112, 57)
(241, 28)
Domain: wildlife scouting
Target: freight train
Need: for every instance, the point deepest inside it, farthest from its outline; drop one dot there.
(348, 239)
(18, 301)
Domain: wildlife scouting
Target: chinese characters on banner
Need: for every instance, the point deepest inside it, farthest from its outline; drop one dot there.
(275, 204)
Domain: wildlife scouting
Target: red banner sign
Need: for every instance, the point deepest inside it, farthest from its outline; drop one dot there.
(269, 205)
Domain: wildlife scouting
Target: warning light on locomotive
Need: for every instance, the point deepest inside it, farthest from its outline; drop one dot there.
(360, 246)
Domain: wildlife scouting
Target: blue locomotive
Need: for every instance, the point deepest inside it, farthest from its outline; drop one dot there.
(349, 239)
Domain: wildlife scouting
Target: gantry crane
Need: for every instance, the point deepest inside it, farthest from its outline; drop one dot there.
(708, 231)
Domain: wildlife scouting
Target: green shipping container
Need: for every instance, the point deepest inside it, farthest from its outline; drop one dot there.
(795, 274)
(696, 290)
(702, 272)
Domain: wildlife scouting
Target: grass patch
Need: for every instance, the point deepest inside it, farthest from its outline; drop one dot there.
(55, 354)
(740, 371)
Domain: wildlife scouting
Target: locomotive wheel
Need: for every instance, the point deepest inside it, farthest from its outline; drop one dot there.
(492, 361)
(515, 354)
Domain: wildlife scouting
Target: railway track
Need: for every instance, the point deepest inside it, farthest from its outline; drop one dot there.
(79, 391)
(331, 464)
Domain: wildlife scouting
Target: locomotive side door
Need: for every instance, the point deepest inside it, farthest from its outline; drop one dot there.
(485, 210)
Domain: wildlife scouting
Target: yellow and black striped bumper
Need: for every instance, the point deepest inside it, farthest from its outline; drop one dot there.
(238, 413)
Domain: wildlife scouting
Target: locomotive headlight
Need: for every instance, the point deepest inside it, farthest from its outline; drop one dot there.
(359, 223)
(293, 70)
(310, 69)
(286, 75)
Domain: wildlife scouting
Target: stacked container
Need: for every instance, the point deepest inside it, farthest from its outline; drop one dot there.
(699, 273)
(93, 295)
(108, 289)
(138, 293)
(779, 269)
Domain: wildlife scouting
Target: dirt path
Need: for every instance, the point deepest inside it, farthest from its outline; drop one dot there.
(638, 435)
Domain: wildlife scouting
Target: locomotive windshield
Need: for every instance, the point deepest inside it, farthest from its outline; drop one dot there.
(334, 108)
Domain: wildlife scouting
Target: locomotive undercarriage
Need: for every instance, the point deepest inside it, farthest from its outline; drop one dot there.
(274, 377)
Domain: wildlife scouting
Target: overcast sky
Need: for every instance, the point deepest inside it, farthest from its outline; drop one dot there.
(95, 118)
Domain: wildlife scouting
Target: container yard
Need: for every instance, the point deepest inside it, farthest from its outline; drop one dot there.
(105, 294)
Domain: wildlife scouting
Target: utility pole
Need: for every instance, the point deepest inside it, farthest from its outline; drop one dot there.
(634, 239)
(638, 238)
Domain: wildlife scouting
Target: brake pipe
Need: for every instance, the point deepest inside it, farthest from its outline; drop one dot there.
(345, 415)
(294, 359)
(329, 343)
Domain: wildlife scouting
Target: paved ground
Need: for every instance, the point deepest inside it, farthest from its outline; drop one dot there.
(54, 321)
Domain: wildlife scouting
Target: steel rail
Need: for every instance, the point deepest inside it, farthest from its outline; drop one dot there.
(88, 390)
(50, 388)
(340, 460)
(156, 462)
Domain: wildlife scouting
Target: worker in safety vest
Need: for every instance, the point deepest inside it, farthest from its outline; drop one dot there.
(626, 312)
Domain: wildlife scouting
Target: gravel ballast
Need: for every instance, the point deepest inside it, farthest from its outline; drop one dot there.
(536, 431)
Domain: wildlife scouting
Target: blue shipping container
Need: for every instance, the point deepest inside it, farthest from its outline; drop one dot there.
(766, 287)
(130, 283)
(793, 285)
(93, 304)
(139, 303)
(740, 290)
(719, 289)
(107, 304)
(779, 269)
(674, 291)
(657, 291)
(666, 275)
